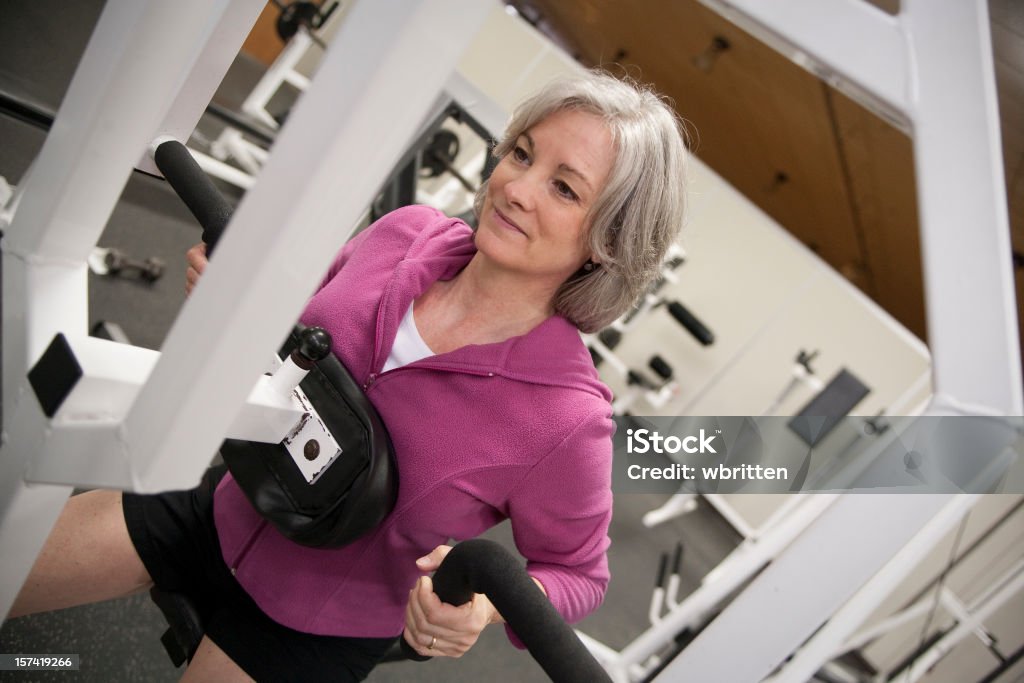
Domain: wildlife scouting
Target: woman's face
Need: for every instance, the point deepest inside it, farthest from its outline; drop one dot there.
(534, 213)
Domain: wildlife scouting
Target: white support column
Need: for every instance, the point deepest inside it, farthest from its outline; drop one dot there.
(830, 38)
(220, 43)
(932, 67)
(936, 73)
(122, 89)
(385, 69)
(961, 198)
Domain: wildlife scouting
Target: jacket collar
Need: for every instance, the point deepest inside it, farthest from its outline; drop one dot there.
(550, 354)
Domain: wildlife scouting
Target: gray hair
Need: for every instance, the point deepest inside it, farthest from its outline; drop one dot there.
(640, 210)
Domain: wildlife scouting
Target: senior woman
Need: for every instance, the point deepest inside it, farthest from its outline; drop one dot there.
(467, 343)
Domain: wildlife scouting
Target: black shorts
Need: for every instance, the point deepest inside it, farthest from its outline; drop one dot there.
(175, 536)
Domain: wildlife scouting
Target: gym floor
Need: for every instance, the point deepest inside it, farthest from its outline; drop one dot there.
(119, 640)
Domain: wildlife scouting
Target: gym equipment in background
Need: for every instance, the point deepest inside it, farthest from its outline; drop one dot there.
(433, 154)
(802, 375)
(655, 393)
(822, 413)
(114, 262)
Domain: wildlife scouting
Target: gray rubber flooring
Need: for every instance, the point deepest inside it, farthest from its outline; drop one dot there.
(119, 640)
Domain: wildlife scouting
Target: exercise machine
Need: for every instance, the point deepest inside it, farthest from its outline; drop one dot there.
(149, 71)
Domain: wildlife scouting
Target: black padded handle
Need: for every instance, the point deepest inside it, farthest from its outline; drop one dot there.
(482, 566)
(688, 320)
(195, 188)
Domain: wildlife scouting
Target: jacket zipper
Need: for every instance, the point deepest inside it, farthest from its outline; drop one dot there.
(247, 546)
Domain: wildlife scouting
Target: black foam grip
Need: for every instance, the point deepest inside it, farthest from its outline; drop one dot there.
(691, 323)
(195, 188)
(482, 566)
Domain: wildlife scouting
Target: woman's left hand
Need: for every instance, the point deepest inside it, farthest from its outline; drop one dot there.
(434, 628)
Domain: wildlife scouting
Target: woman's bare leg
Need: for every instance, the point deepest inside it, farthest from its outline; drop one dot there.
(211, 664)
(88, 557)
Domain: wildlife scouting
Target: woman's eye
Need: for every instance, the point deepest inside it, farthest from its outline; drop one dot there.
(563, 189)
(520, 155)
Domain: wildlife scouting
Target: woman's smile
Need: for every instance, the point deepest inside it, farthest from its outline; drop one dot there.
(507, 223)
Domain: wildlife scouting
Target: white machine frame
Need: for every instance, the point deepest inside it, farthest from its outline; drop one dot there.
(150, 69)
(930, 71)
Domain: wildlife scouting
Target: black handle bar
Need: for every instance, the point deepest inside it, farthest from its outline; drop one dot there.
(195, 188)
(481, 566)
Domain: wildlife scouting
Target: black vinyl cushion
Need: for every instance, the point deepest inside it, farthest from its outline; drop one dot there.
(354, 494)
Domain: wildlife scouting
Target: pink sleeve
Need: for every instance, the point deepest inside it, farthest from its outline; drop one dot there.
(560, 514)
(344, 255)
(395, 230)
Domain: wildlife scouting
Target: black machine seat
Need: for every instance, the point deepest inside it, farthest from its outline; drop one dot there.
(353, 495)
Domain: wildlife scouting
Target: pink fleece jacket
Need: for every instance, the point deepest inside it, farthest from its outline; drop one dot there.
(519, 429)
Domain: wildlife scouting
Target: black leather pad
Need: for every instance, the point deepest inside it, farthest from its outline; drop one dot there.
(355, 492)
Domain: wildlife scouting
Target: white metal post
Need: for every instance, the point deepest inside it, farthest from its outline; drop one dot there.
(931, 67)
(125, 83)
(220, 44)
(382, 73)
(391, 61)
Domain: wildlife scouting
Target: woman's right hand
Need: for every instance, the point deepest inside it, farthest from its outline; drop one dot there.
(196, 257)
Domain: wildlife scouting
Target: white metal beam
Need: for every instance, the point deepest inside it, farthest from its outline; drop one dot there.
(942, 83)
(123, 86)
(851, 44)
(961, 198)
(386, 70)
(383, 71)
(220, 44)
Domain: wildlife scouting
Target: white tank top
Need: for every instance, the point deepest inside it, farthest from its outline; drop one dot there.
(409, 346)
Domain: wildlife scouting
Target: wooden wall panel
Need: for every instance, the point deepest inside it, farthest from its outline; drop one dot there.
(880, 170)
(849, 189)
(1010, 83)
(762, 122)
(263, 43)
(1008, 52)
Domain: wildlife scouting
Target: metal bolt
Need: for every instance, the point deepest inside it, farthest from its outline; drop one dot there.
(311, 450)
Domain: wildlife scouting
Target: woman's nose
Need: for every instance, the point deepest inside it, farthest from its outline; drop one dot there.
(519, 192)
